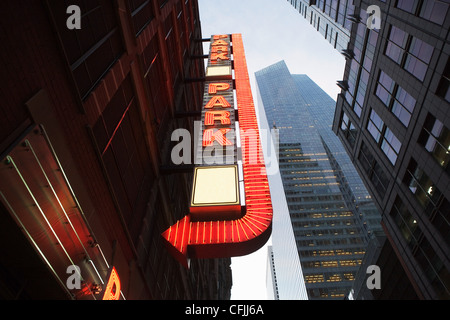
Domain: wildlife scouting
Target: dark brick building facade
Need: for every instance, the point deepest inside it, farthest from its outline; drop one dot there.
(85, 128)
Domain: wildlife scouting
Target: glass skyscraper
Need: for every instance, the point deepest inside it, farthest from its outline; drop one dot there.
(332, 216)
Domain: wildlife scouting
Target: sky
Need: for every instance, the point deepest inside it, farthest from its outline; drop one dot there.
(272, 30)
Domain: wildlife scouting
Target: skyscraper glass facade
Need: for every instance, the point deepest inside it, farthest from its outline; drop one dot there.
(333, 19)
(331, 212)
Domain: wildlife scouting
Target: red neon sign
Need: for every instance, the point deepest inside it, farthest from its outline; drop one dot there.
(218, 101)
(219, 43)
(213, 88)
(226, 238)
(112, 289)
(211, 135)
(212, 116)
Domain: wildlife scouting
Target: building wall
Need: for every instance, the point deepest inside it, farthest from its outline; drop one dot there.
(332, 19)
(392, 117)
(106, 99)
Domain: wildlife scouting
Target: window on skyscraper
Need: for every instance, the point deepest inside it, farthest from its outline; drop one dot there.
(172, 44)
(153, 72)
(120, 139)
(423, 252)
(422, 187)
(162, 3)
(411, 53)
(395, 98)
(141, 14)
(397, 44)
(443, 90)
(407, 5)
(407, 224)
(373, 170)
(375, 126)
(349, 130)
(384, 137)
(391, 146)
(418, 57)
(431, 10)
(92, 50)
(435, 138)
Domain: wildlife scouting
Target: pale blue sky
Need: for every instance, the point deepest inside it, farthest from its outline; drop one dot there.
(272, 30)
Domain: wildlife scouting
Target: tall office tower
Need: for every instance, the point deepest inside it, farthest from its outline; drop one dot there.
(86, 117)
(393, 118)
(333, 19)
(331, 213)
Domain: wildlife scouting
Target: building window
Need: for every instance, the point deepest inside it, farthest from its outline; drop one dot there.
(441, 219)
(431, 10)
(425, 255)
(384, 137)
(92, 50)
(407, 5)
(141, 14)
(181, 28)
(121, 142)
(396, 45)
(375, 126)
(172, 50)
(360, 67)
(443, 90)
(374, 171)
(162, 3)
(435, 138)
(407, 224)
(395, 98)
(390, 145)
(349, 130)
(411, 53)
(155, 80)
(421, 186)
(418, 57)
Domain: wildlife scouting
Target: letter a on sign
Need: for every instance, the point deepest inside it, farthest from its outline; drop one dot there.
(218, 101)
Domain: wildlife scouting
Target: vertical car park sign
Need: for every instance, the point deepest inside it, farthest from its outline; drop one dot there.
(226, 218)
